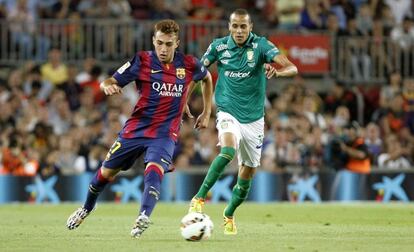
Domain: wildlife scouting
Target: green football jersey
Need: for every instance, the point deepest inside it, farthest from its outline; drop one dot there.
(241, 84)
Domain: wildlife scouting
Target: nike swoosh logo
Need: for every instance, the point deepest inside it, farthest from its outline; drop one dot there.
(259, 146)
(165, 161)
(155, 71)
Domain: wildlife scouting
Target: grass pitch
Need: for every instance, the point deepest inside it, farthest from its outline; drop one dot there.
(264, 227)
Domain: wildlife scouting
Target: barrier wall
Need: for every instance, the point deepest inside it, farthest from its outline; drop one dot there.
(181, 186)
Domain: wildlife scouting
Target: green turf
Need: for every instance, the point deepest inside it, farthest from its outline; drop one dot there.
(267, 227)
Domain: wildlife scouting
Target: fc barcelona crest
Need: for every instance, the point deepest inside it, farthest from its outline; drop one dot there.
(180, 72)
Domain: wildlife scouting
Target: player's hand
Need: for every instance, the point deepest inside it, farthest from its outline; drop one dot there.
(270, 71)
(111, 89)
(187, 111)
(202, 121)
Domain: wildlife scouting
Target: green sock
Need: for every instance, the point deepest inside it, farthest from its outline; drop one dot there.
(240, 192)
(215, 170)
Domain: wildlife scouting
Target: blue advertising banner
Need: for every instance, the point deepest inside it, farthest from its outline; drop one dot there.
(181, 186)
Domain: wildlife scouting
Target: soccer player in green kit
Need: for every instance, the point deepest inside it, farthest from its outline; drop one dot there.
(242, 59)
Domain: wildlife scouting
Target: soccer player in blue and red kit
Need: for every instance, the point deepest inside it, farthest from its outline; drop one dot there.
(164, 78)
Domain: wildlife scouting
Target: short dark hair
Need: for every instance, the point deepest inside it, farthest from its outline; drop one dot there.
(167, 26)
(241, 12)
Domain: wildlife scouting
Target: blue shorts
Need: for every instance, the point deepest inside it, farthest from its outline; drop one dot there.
(125, 151)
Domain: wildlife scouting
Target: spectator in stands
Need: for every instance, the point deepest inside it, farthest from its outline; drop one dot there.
(22, 27)
(93, 84)
(35, 86)
(341, 119)
(15, 83)
(313, 16)
(3, 10)
(408, 95)
(373, 141)
(72, 88)
(310, 111)
(38, 139)
(159, 10)
(60, 116)
(332, 26)
(342, 9)
(364, 19)
(185, 153)
(120, 9)
(16, 158)
(339, 95)
(378, 51)
(48, 165)
(311, 150)
(387, 19)
(394, 157)
(84, 73)
(54, 70)
(67, 155)
(394, 120)
(403, 37)
(206, 146)
(87, 107)
(30, 115)
(400, 9)
(387, 93)
(93, 160)
(180, 8)
(289, 14)
(356, 150)
(75, 34)
(282, 151)
(94, 8)
(7, 115)
(360, 61)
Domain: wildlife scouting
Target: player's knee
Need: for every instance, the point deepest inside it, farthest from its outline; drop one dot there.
(227, 153)
(109, 174)
(246, 172)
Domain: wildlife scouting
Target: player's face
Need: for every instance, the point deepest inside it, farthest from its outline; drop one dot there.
(240, 28)
(165, 45)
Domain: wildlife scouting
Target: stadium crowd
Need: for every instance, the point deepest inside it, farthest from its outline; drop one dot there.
(55, 120)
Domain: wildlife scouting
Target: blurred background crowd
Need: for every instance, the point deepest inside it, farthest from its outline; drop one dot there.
(55, 120)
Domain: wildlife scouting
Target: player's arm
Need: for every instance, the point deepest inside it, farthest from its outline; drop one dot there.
(110, 86)
(190, 91)
(288, 69)
(207, 90)
(124, 75)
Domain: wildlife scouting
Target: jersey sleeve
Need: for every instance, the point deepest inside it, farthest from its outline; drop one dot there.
(128, 72)
(199, 70)
(269, 50)
(210, 56)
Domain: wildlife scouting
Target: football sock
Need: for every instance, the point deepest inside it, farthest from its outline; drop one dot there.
(152, 188)
(96, 186)
(240, 192)
(215, 170)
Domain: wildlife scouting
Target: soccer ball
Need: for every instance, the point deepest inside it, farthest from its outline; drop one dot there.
(196, 227)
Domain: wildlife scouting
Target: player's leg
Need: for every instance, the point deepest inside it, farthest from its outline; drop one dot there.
(102, 177)
(239, 194)
(249, 158)
(152, 188)
(120, 156)
(158, 158)
(228, 136)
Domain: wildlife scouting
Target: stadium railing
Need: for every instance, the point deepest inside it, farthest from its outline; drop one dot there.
(352, 59)
(104, 40)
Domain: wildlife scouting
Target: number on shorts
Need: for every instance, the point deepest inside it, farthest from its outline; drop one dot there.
(114, 148)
